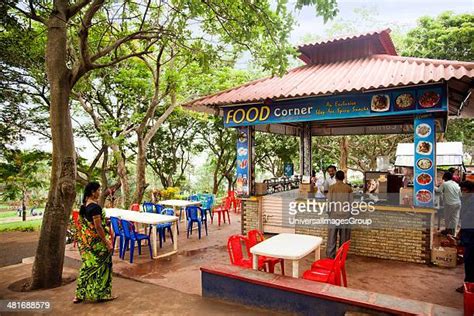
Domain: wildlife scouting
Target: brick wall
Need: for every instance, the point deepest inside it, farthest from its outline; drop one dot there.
(404, 236)
(251, 218)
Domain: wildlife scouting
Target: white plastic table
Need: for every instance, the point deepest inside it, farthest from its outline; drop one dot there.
(179, 204)
(288, 247)
(151, 219)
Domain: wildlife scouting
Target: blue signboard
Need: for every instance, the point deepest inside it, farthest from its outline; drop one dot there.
(242, 186)
(405, 101)
(425, 161)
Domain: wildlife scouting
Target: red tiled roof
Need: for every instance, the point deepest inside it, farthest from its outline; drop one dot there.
(348, 47)
(371, 72)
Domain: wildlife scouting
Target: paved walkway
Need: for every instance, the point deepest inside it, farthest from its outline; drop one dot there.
(133, 298)
(181, 272)
(15, 246)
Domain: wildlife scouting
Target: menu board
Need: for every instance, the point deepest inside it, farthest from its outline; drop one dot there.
(425, 163)
(243, 168)
(394, 102)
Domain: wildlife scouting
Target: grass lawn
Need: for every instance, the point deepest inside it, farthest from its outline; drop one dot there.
(7, 214)
(21, 226)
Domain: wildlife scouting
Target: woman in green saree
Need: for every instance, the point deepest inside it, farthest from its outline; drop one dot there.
(94, 283)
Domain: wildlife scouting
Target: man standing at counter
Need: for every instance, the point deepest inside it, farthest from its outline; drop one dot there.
(452, 202)
(330, 178)
(339, 201)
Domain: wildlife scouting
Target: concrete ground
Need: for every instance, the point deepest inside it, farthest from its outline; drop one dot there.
(133, 298)
(181, 272)
(15, 246)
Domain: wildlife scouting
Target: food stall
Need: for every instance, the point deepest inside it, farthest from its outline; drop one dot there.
(348, 86)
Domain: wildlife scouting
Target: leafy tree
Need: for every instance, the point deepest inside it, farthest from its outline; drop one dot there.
(20, 171)
(221, 145)
(129, 30)
(169, 152)
(448, 36)
(461, 130)
(272, 151)
(220, 142)
(24, 93)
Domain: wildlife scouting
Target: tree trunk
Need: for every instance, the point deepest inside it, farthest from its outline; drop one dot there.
(141, 166)
(215, 186)
(103, 177)
(23, 207)
(343, 160)
(48, 265)
(230, 183)
(122, 174)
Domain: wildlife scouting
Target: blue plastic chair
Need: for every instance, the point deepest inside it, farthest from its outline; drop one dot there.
(131, 237)
(159, 208)
(118, 232)
(166, 226)
(194, 197)
(207, 202)
(149, 207)
(192, 213)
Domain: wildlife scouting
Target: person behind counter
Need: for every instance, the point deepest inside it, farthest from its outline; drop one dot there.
(455, 172)
(451, 193)
(465, 236)
(339, 194)
(331, 178)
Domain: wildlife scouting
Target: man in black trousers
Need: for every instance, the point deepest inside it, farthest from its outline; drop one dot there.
(465, 237)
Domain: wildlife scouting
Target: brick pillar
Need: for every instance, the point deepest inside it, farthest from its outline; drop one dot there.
(251, 214)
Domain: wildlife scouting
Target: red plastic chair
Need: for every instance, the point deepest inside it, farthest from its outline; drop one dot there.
(75, 219)
(221, 211)
(255, 236)
(233, 201)
(332, 276)
(237, 205)
(468, 298)
(327, 263)
(236, 255)
(135, 207)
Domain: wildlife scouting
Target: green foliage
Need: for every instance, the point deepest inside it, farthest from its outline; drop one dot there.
(20, 172)
(461, 130)
(8, 214)
(325, 8)
(169, 193)
(169, 153)
(27, 226)
(448, 36)
(23, 87)
(272, 151)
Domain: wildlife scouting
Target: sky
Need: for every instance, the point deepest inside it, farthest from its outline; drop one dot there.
(402, 12)
(387, 13)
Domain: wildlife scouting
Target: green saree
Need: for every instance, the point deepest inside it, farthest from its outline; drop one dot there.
(95, 276)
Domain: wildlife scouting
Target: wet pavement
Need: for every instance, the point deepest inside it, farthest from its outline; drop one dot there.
(181, 272)
(133, 298)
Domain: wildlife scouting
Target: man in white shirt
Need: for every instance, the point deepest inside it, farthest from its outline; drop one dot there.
(330, 177)
(451, 193)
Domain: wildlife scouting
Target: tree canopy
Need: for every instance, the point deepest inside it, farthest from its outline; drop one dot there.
(447, 36)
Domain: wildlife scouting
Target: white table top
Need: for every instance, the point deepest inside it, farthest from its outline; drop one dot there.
(287, 246)
(145, 218)
(179, 203)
